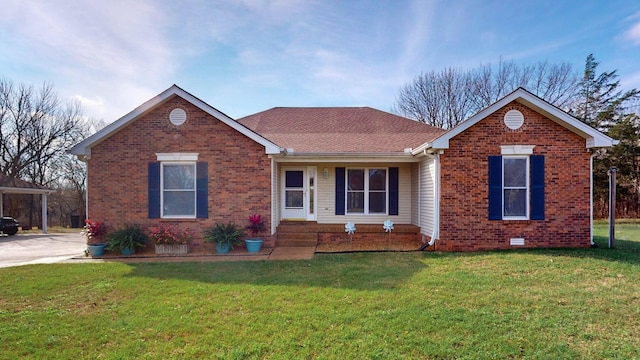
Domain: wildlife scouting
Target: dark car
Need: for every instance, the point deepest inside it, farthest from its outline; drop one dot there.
(8, 225)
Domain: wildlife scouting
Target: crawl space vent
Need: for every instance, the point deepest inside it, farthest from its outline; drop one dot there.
(513, 119)
(177, 116)
(516, 242)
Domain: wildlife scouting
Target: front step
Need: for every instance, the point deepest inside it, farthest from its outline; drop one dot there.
(291, 239)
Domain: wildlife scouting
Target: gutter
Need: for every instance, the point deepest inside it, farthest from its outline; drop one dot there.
(292, 152)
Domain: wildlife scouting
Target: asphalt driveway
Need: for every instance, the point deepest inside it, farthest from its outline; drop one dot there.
(24, 249)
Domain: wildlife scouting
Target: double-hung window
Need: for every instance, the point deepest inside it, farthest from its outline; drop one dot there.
(367, 191)
(178, 190)
(516, 185)
(178, 187)
(515, 189)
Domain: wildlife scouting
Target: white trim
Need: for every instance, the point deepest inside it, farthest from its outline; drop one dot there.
(516, 149)
(436, 201)
(593, 138)
(312, 172)
(84, 147)
(347, 158)
(591, 199)
(177, 156)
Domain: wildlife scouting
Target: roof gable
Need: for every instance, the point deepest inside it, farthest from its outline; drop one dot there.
(593, 137)
(339, 130)
(84, 148)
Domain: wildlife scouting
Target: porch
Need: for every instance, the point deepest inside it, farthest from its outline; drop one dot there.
(333, 238)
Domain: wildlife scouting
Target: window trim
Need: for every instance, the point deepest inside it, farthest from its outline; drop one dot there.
(366, 191)
(527, 187)
(194, 190)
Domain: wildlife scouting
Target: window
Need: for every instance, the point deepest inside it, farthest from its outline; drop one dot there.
(515, 187)
(178, 190)
(366, 191)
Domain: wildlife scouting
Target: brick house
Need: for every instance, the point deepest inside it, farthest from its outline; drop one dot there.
(517, 174)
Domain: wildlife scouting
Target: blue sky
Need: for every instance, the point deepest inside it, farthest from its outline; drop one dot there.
(246, 56)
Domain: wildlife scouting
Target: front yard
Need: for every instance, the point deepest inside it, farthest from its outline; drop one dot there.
(512, 304)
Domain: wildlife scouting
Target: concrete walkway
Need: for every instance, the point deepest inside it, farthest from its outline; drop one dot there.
(281, 253)
(25, 249)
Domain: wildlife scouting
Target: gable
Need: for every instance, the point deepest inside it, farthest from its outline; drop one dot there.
(84, 147)
(521, 97)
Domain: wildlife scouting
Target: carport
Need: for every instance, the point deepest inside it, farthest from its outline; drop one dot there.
(10, 185)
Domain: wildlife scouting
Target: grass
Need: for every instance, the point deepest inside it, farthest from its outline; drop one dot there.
(536, 304)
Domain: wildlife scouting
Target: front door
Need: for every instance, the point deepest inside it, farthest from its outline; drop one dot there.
(298, 193)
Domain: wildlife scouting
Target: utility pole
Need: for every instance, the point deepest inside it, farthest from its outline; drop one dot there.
(612, 206)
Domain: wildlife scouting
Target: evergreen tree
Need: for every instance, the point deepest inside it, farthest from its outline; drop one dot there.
(601, 102)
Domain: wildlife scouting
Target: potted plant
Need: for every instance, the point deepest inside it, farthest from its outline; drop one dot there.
(226, 236)
(256, 225)
(127, 239)
(170, 240)
(94, 231)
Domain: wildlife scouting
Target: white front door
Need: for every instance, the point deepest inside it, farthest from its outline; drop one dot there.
(298, 193)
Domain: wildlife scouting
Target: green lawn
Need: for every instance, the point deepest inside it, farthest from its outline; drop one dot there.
(539, 304)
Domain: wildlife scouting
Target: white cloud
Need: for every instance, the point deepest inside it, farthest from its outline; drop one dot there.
(102, 52)
(633, 34)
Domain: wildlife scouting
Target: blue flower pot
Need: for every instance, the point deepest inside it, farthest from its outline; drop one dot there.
(96, 249)
(222, 248)
(128, 251)
(253, 245)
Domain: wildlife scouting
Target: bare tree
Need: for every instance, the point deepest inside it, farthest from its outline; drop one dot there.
(35, 128)
(446, 98)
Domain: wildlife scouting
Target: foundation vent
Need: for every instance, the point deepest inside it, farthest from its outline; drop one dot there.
(516, 242)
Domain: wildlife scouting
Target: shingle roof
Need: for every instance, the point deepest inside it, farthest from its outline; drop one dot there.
(339, 129)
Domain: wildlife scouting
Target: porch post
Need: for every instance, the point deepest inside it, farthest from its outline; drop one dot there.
(44, 213)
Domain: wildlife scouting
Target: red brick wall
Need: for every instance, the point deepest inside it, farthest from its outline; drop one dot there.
(238, 170)
(464, 189)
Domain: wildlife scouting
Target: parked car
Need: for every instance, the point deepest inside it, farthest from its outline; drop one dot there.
(8, 225)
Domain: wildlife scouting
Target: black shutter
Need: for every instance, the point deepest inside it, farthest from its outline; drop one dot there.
(202, 185)
(340, 191)
(537, 187)
(154, 190)
(495, 187)
(393, 191)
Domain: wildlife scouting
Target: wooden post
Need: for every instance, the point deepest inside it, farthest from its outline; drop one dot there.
(612, 206)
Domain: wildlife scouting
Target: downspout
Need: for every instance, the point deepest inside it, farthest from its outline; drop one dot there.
(436, 200)
(593, 244)
(86, 193)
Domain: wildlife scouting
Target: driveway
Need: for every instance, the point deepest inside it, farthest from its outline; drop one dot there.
(24, 249)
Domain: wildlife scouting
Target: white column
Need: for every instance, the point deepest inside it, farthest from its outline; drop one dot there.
(44, 213)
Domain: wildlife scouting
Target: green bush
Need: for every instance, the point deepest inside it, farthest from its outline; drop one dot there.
(224, 234)
(129, 237)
